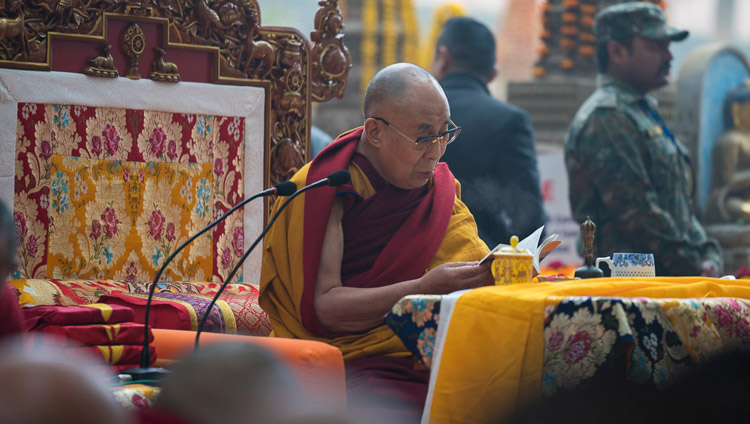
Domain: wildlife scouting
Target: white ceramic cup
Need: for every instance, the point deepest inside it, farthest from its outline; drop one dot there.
(630, 264)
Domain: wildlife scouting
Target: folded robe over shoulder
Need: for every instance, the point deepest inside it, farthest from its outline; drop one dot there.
(437, 228)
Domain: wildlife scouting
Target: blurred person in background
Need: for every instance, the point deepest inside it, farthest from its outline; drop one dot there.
(11, 321)
(494, 156)
(627, 170)
(42, 385)
(234, 383)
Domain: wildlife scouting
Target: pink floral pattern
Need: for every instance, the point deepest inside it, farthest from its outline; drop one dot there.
(156, 224)
(663, 336)
(111, 221)
(111, 139)
(414, 319)
(51, 198)
(238, 241)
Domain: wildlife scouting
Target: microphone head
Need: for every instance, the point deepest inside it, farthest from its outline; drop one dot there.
(286, 188)
(338, 178)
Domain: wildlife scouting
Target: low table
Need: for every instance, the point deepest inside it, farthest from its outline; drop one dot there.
(495, 349)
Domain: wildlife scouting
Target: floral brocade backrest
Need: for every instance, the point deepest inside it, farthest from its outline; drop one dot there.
(109, 193)
(133, 125)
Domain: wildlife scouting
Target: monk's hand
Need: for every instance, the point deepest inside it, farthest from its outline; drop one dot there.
(454, 276)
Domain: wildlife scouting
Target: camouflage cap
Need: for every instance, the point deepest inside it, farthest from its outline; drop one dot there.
(634, 18)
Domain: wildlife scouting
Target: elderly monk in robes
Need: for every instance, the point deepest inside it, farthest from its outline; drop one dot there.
(340, 258)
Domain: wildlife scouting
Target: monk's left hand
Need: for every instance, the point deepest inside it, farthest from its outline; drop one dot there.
(454, 276)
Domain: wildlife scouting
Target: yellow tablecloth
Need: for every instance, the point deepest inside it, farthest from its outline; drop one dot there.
(492, 356)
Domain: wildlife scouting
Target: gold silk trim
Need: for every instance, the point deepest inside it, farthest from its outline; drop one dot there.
(112, 354)
(112, 331)
(105, 309)
(230, 323)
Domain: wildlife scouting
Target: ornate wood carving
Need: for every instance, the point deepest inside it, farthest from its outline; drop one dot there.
(163, 70)
(133, 43)
(330, 57)
(246, 53)
(102, 66)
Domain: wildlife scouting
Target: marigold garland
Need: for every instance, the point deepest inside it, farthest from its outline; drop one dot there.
(588, 9)
(440, 17)
(569, 30)
(342, 9)
(567, 43)
(569, 18)
(411, 32)
(586, 51)
(587, 37)
(546, 38)
(390, 36)
(368, 46)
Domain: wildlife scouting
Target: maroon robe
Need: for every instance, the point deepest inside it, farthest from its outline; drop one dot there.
(389, 237)
(11, 320)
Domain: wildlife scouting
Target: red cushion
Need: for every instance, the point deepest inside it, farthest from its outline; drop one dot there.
(117, 354)
(96, 334)
(177, 311)
(95, 313)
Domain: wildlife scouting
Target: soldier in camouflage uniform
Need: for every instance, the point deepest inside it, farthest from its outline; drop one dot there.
(626, 169)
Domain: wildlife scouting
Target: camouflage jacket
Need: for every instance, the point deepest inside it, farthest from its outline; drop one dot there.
(633, 178)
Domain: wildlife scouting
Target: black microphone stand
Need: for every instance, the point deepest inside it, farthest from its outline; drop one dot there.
(335, 179)
(145, 372)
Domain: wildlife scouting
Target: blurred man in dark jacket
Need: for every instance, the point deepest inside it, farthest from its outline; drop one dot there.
(494, 157)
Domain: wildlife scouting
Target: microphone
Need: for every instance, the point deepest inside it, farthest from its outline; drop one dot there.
(334, 179)
(145, 372)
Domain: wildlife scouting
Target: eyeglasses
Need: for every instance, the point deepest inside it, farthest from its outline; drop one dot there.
(425, 141)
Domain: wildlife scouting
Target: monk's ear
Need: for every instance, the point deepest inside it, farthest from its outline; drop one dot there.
(374, 132)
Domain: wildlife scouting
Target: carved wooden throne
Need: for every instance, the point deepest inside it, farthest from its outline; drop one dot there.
(111, 173)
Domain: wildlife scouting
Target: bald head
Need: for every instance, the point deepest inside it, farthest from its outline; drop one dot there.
(46, 385)
(230, 383)
(392, 83)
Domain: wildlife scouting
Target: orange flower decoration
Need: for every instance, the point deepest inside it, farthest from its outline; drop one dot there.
(569, 18)
(543, 50)
(539, 71)
(567, 43)
(570, 4)
(568, 30)
(586, 51)
(567, 64)
(588, 9)
(545, 35)
(587, 37)
(587, 21)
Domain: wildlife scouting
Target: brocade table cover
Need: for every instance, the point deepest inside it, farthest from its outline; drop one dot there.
(414, 319)
(506, 346)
